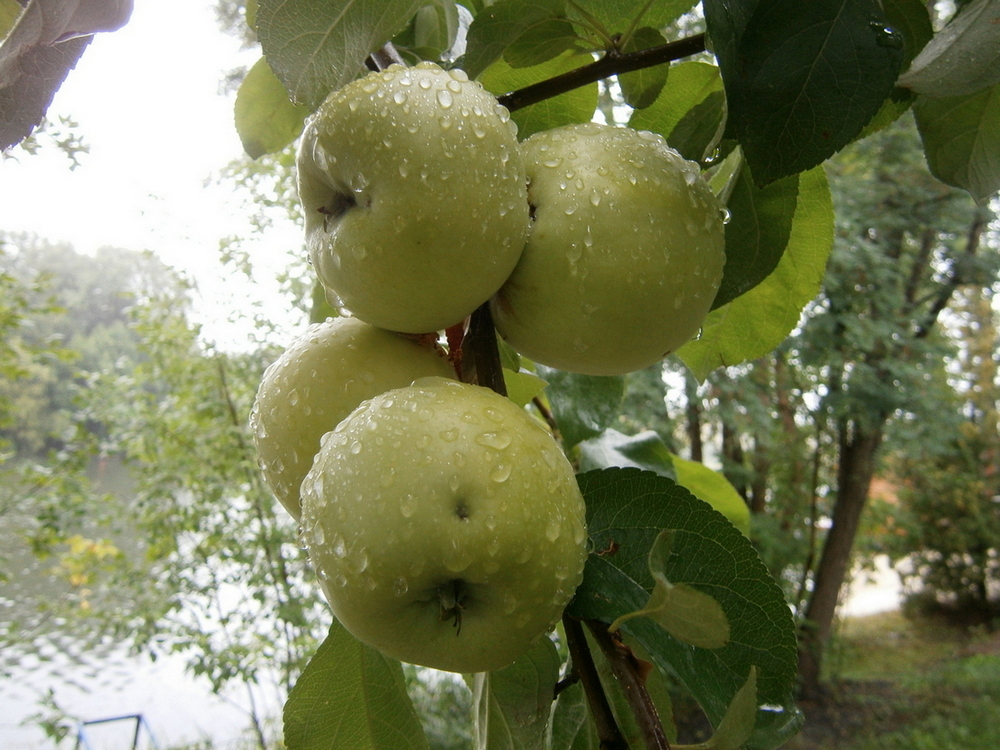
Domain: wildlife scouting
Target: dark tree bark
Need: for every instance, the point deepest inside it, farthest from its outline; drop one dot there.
(858, 450)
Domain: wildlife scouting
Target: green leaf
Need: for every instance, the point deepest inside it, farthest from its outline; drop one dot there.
(266, 119)
(760, 223)
(713, 487)
(571, 107)
(642, 87)
(617, 16)
(962, 139)
(318, 46)
(351, 696)
(686, 613)
(912, 21)
(513, 704)
(756, 322)
(737, 725)
(9, 11)
(802, 79)
(500, 25)
(626, 510)
(583, 405)
(431, 32)
(572, 727)
(692, 96)
(543, 41)
(643, 451)
(961, 59)
(522, 386)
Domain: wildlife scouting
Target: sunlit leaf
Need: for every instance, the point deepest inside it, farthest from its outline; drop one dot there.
(756, 322)
(266, 119)
(574, 106)
(713, 487)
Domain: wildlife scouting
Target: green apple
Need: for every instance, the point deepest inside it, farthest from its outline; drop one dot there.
(414, 195)
(317, 382)
(624, 256)
(445, 525)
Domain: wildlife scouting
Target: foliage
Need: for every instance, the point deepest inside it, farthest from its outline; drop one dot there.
(945, 531)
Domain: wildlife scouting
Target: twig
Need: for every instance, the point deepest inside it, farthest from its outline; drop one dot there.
(613, 63)
(629, 673)
(609, 734)
(480, 362)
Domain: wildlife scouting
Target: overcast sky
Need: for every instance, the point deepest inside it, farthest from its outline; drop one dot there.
(148, 103)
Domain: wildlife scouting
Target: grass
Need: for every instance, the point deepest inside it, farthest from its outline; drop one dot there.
(907, 684)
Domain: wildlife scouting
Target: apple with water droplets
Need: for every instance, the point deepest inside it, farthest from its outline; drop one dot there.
(320, 379)
(413, 190)
(624, 256)
(445, 525)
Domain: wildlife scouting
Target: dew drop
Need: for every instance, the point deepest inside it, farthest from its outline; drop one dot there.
(445, 98)
(499, 439)
(399, 97)
(553, 530)
(500, 473)
(400, 586)
(407, 505)
(449, 435)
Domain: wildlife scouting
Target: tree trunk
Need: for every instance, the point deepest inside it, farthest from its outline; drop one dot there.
(858, 446)
(693, 418)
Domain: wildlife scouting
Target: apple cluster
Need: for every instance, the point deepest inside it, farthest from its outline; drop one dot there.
(444, 522)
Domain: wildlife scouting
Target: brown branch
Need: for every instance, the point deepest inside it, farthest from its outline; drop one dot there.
(630, 675)
(956, 279)
(480, 359)
(613, 63)
(608, 733)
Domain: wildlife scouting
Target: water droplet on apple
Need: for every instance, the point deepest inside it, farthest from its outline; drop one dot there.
(509, 603)
(360, 561)
(553, 529)
(400, 586)
(450, 435)
(459, 459)
(500, 472)
(445, 99)
(499, 439)
(339, 546)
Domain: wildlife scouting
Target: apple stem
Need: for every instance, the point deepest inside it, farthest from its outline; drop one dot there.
(608, 733)
(480, 359)
(383, 57)
(612, 63)
(630, 673)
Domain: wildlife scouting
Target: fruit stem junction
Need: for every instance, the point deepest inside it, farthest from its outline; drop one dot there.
(451, 597)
